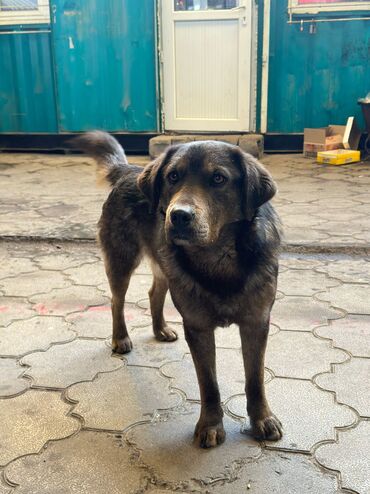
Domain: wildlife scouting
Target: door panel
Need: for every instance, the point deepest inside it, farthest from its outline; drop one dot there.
(105, 64)
(207, 74)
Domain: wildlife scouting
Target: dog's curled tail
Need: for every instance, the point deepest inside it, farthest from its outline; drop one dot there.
(107, 152)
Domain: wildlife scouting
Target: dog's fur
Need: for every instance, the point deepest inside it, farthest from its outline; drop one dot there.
(202, 215)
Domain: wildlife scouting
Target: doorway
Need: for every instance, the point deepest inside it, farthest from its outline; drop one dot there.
(207, 56)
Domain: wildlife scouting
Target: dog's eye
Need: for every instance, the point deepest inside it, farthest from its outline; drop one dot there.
(218, 179)
(173, 177)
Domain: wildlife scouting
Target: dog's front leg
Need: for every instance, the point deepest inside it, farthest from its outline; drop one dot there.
(209, 431)
(265, 425)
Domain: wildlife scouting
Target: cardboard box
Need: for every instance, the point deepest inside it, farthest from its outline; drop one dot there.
(338, 157)
(352, 134)
(323, 139)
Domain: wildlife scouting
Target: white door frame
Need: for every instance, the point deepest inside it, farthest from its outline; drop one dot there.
(250, 119)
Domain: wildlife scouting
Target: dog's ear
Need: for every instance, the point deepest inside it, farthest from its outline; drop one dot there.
(150, 180)
(257, 184)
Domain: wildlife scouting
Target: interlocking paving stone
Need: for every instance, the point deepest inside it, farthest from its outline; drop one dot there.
(87, 463)
(300, 262)
(63, 365)
(167, 447)
(13, 309)
(351, 333)
(31, 419)
(4, 489)
(11, 382)
(87, 274)
(96, 322)
(37, 333)
(348, 270)
(277, 473)
(302, 313)
(300, 355)
(15, 266)
(301, 236)
(350, 456)
(170, 312)
(147, 351)
(350, 381)
(117, 399)
(66, 300)
(65, 260)
(352, 298)
(303, 283)
(230, 374)
(308, 414)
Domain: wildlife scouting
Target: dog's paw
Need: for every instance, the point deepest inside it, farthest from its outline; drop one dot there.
(166, 334)
(122, 346)
(268, 428)
(210, 436)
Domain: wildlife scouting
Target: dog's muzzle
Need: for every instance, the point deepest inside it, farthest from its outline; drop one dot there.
(181, 223)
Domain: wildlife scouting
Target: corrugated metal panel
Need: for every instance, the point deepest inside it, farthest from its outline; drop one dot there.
(105, 64)
(27, 99)
(315, 79)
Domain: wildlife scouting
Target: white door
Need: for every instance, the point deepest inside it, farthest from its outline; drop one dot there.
(207, 64)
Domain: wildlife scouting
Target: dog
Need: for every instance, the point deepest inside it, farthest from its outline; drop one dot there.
(202, 214)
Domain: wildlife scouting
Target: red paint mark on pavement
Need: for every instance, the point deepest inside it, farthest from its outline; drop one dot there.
(4, 308)
(99, 308)
(41, 309)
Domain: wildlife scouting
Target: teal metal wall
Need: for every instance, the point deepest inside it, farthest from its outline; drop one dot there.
(27, 96)
(105, 64)
(316, 79)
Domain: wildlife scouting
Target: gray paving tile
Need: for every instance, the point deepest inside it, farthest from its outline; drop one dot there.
(11, 382)
(115, 400)
(230, 374)
(301, 236)
(160, 442)
(350, 456)
(300, 355)
(347, 270)
(276, 473)
(352, 298)
(37, 333)
(147, 351)
(351, 383)
(170, 312)
(295, 262)
(15, 266)
(31, 419)
(303, 283)
(92, 274)
(4, 487)
(96, 322)
(302, 313)
(89, 462)
(66, 300)
(63, 365)
(14, 309)
(352, 333)
(60, 260)
(308, 414)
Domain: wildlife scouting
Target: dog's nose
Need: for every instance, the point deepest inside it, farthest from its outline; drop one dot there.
(182, 216)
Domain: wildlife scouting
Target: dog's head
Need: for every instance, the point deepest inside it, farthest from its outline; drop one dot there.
(201, 186)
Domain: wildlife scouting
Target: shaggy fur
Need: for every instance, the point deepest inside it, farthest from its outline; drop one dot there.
(202, 215)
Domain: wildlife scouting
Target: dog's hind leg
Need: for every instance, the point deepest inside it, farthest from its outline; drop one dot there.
(119, 273)
(157, 295)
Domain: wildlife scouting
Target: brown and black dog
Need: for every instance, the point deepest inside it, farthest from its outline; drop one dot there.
(201, 213)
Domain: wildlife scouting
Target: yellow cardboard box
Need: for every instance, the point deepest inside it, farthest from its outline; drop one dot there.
(338, 156)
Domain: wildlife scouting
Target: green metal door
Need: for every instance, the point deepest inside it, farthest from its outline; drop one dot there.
(105, 64)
